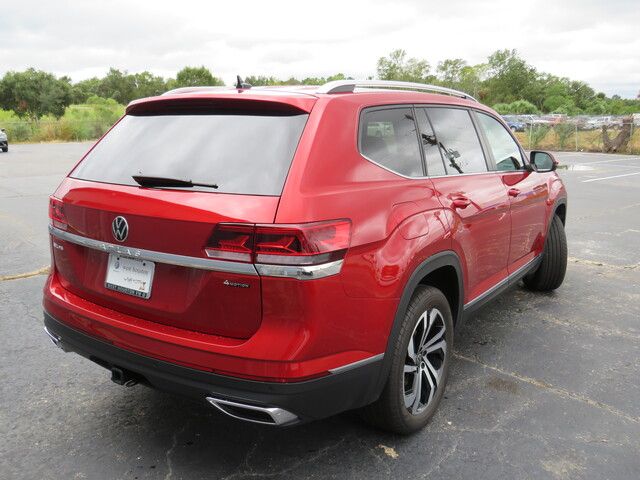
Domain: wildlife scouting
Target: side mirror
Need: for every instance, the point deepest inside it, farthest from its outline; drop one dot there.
(543, 161)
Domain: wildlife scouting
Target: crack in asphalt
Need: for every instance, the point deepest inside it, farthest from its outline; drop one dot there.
(170, 451)
(41, 271)
(595, 263)
(250, 472)
(436, 466)
(561, 392)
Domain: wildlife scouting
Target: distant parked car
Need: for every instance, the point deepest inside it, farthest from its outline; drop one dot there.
(515, 125)
(4, 142)
(596, 123)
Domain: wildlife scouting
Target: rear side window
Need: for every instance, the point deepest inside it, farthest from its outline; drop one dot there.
(388, 137)
(435, 167)
(243, 152)
(504, 148)
(458, 140)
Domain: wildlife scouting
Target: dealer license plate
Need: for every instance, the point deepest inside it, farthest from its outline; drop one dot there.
(130, 276)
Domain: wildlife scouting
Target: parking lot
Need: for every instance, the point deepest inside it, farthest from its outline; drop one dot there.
(542, 385)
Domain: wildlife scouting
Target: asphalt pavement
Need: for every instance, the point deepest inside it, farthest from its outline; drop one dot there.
(541, 385)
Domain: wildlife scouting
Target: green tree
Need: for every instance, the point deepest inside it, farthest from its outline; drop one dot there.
(583, 95)
(118, 85)
(84, 89)
(196, 77)
(450, 72)
(34, 93)
(148, 85)
(519, 107)
(398, 67)
(509, 77)
(502, 108)
(261, 80)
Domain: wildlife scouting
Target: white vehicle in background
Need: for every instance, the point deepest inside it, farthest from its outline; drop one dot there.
(596, 123)
(4, 142)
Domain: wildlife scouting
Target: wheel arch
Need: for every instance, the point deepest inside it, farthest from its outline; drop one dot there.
(560, 209)
(442, 270)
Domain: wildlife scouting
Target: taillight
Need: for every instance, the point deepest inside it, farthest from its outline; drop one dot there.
(231, 242)
(299, 245)
(304, 244)
(56, 213)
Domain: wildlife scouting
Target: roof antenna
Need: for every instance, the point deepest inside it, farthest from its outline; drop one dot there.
(240, 84)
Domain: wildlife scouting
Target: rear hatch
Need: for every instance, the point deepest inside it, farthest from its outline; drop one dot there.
(138, 246)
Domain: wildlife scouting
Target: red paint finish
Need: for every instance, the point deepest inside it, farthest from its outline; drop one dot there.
(284, 329)
(176, 222)
(481, 228)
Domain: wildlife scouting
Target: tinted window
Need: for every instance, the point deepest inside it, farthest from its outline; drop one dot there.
(388, 137)
(241, 153)
(503, 147)
(429, 145)
(458, 140)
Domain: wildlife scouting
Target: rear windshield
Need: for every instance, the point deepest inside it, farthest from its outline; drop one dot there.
(247, 153)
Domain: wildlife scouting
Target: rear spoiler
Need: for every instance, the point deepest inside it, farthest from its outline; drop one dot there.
(229, 100)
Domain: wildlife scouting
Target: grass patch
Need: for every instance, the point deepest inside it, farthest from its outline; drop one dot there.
(86, 121)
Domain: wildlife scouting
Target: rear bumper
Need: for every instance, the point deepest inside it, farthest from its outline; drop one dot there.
(307, 400)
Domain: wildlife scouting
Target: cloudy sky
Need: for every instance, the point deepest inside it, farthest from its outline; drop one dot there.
(592, 40)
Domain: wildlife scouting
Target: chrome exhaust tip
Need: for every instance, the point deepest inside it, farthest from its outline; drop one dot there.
(252, 413)
(55, 339)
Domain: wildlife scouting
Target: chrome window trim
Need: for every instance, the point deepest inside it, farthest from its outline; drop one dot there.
(415, 106)
(501, 283)
(359, 363)
(153, 256)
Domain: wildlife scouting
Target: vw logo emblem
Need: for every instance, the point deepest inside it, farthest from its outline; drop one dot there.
(120, 228)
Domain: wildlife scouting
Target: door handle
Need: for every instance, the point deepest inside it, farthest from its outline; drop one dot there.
(461, 202)
(514, 192)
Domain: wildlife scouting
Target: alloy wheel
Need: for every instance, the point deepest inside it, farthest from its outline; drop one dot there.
(425, 360)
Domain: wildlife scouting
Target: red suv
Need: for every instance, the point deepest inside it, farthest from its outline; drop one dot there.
(290, 253)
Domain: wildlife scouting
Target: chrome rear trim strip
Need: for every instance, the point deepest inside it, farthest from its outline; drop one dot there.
(309, 272)
(359, 363)
(501, 283)
(152, 256)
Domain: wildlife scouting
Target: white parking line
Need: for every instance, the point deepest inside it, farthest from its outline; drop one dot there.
(613, 176)
(616, 160)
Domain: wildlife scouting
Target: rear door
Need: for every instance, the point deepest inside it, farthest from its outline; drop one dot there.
(527, 192)
(476, 197)
(143, 251)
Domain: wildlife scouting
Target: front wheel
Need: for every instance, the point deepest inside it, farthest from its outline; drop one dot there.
(550, 273)
(419, 365)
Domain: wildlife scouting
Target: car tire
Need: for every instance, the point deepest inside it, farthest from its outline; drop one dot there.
(550, 273)
(5, 149)
(514, 129)
(409, 399)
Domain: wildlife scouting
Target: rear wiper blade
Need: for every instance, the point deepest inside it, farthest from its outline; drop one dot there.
(145, 181)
